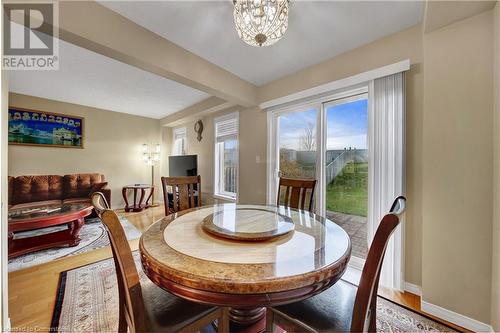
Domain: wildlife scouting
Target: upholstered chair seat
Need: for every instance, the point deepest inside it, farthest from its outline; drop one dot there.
(343, 307)
(145, 307)
(329, 311)
(168, 313)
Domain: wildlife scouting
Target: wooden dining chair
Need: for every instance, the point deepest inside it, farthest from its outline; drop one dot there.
(99, 202)
(186, 193)
(296, 193)
(343, 307)
(145, 307)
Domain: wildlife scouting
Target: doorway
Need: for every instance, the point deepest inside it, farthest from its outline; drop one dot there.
(346, 168)
(327, 140)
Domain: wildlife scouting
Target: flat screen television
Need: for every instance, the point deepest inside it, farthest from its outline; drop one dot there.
(183, 165)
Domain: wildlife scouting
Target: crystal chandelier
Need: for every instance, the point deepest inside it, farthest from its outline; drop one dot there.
(261, 22)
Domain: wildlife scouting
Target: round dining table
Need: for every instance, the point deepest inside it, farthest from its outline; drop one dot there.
(181, 254)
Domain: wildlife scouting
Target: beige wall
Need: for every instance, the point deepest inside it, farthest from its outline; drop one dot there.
(457, 167)
(403, 45)
(204, 148)
(252, 158)
(253, 142)
(495, 277)
(112, 146)
(454, 217)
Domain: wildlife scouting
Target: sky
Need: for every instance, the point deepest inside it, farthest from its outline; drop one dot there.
(347, 126)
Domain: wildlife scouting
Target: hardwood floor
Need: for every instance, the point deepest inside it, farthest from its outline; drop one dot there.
(32, 291)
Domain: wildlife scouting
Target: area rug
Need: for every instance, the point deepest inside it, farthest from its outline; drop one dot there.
(93, 236)
(87, 301)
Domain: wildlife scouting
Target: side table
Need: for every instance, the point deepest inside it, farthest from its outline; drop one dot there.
(138, 205)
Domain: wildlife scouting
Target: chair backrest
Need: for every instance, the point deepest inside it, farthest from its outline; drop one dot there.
(186, 193)
(296, 193)
(398, 206)
(365, 305)
(129, 286)
(99, 202)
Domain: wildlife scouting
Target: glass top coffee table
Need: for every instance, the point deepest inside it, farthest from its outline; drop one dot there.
(24, 219)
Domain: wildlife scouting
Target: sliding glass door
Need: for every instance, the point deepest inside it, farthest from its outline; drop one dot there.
(346, 168)
(356, 139)
(328, 141)
(297, 144)
(295, 152)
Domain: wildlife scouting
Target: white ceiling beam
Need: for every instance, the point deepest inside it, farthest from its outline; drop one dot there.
(114, 36)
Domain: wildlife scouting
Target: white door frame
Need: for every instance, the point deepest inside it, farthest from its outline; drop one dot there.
(273, 144)
(272, 141)
(273, 159)
(361, 93)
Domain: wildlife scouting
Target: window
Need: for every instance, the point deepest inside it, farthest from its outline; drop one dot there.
(179, 141)
(226, 156)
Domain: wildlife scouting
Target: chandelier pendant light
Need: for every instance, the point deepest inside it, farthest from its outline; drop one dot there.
(261, 22)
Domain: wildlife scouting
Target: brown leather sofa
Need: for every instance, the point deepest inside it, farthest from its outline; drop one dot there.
(33, 191)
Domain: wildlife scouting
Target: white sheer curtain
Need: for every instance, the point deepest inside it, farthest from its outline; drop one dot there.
(387, 164)
(179, 141)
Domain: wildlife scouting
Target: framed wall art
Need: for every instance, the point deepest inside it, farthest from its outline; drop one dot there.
(40, 128)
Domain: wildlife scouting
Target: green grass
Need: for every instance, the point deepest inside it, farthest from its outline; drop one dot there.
(348, 193)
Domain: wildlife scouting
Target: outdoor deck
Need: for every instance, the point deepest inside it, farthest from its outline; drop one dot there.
(355, 226)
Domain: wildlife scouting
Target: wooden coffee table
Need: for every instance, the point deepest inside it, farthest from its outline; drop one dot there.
(138, 206)
(24, 219)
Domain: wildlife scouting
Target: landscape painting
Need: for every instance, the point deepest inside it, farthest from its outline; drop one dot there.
(38, 128)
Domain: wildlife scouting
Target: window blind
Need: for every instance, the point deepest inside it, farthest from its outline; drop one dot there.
(226, 126)
(179, 133)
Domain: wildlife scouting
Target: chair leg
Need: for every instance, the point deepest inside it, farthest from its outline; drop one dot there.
(373, 316)
(269, 321)
(223, 326)
(122, 322)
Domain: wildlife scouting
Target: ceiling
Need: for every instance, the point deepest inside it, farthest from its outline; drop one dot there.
(318, 30)
(90, 79)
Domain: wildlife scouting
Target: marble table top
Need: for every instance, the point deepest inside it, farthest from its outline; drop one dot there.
(177, 249)
(247, 223)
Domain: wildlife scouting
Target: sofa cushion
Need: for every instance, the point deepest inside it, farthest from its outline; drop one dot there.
(35, 204)
(37, 188)
(80, 185)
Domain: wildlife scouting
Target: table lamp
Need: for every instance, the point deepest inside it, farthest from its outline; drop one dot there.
(151, 155)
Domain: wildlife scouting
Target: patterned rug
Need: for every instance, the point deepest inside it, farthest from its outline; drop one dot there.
(87, 301)
(93, 236)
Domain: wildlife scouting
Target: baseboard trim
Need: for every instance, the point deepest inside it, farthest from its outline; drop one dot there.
(413, 288)
(455, 318)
